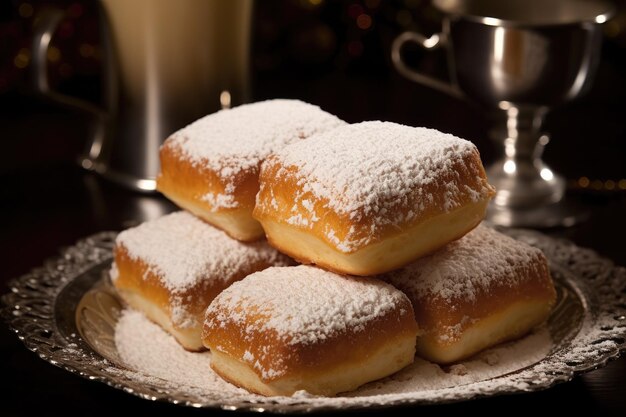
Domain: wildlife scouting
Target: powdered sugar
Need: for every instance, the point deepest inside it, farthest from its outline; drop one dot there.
(306, 303)
(249, 133)
(469, 266)
(181, 250)
(220, 201)
(379, 170)
(239, 139)
(146, 348)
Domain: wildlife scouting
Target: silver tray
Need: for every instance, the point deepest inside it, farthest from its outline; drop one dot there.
(66, 312)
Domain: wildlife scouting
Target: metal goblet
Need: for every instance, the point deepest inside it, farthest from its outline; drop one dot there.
(517, 59)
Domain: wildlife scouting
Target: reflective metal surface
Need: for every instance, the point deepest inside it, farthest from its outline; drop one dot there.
(166, 64)
(528, 12)
(517, 59)
(66, 312)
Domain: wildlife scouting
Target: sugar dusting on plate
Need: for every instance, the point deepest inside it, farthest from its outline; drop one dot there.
(147, 348)
(154, 355)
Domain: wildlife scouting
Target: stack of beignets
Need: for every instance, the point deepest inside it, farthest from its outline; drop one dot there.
(373, 199)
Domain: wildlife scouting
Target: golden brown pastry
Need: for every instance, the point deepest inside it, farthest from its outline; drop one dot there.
(371, 197)
(481, 290)
(171, 268)
(211, 167)
(289, 329)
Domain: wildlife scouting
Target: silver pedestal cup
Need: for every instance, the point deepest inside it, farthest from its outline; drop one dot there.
(517, 59)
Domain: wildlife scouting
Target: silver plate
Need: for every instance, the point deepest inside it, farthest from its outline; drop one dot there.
(66, 312)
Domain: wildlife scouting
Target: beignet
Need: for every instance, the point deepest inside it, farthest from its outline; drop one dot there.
(288, 329)
(371, 197)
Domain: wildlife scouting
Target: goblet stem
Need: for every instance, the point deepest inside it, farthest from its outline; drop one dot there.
(521, 178)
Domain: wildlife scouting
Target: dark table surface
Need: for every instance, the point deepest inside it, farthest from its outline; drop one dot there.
(47, 202)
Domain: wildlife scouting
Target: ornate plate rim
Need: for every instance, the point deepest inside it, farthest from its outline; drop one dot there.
(29, 310)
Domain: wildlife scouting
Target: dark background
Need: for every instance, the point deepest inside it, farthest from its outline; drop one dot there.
(331, 53)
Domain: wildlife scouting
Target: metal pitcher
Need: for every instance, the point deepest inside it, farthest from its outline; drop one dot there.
(166, 63)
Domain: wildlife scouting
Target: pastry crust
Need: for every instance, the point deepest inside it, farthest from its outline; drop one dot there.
(349, 331)
(159, 270)
(188, 185)
(392, 252)
(324, 218)
(481, 290)
(211, 167)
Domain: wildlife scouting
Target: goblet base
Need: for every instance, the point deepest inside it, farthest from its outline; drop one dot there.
(564, 213)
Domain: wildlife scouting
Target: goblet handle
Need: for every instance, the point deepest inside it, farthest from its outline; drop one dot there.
(432, 43)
